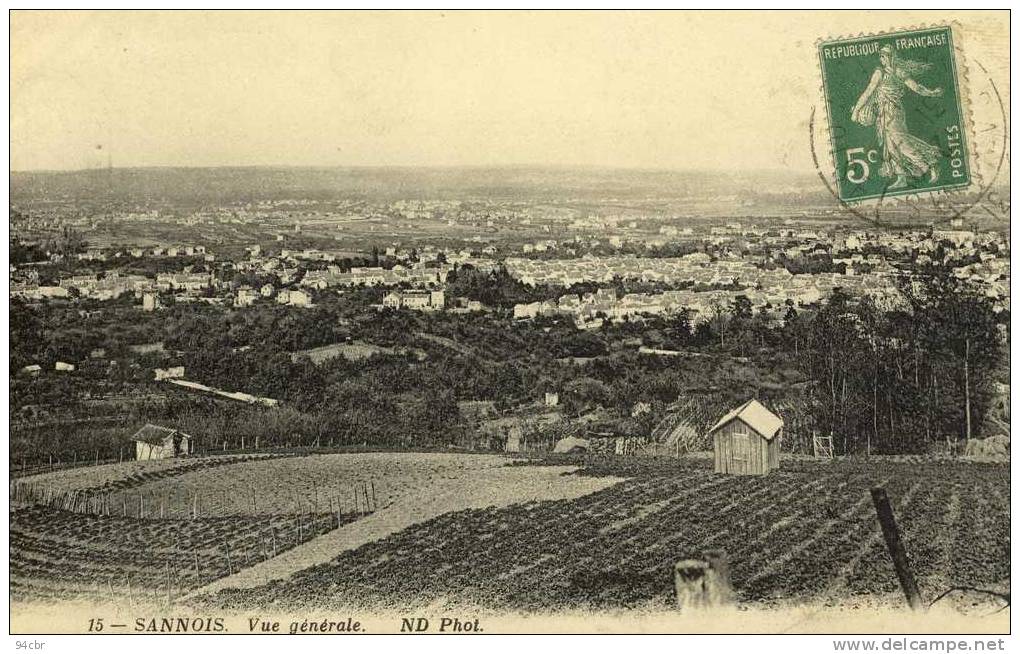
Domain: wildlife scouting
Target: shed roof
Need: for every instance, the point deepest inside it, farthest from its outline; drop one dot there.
(154, 434)
(756, 416)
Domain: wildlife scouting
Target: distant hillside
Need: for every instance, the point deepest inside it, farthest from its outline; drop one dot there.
(681, 193)
(218, 185)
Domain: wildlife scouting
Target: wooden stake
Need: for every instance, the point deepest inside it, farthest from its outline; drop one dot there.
(896, 550)
(698, 585)
(718, 562)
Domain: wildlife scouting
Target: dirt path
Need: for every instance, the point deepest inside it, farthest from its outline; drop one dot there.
(477, 489)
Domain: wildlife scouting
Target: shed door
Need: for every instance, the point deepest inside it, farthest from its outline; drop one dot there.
(741, 447)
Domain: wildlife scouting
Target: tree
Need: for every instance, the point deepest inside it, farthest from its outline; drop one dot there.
(791, 332)
(906, 374)
(957, 325)
(584, 394)
(718, 320)
(26, 332)
(741, 312)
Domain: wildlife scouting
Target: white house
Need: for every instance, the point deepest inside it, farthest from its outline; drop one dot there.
(416, 300)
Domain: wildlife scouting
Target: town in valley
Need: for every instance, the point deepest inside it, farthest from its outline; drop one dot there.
(322, 335)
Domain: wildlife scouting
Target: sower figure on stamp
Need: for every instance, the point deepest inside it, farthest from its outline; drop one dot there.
(881, 105)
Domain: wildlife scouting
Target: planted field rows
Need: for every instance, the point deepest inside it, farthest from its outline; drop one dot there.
(58, 554)
(153, 531)
(806, 533)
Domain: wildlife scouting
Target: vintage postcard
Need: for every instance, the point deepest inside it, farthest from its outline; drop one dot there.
(498, 322)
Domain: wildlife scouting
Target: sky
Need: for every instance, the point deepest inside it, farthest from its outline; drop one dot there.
(726, 91)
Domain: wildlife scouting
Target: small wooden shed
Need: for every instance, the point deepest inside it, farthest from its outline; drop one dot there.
(746, 440)
(155, 442)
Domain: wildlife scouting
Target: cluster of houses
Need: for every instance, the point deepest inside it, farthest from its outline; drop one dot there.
(377, 276)
(590, 309)
(694, 268)
(416, 300)
(33, 370)
(246, 295)
(112, 285)
(105, 254)
(756, 269)
(430, 300)
(294, 298)
(186, 282)
(992, 276)
(108, 287)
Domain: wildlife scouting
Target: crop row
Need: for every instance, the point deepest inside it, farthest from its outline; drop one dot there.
(59, 554)
(806, 532)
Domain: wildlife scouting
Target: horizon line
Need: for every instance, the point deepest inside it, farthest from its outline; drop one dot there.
(555, 166)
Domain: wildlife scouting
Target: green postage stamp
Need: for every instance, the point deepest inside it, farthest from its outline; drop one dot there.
(896, 122)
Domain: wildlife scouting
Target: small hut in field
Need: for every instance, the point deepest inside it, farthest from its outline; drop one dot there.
(746, 440)
(155, 442)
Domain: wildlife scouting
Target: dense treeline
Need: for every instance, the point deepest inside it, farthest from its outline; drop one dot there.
(879, 380)
(899, 380)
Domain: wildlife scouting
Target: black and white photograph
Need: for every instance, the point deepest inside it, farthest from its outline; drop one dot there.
(507, 321)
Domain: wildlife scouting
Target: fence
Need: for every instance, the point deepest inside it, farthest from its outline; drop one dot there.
(192, 538)
(23, 467)
(342, 499)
